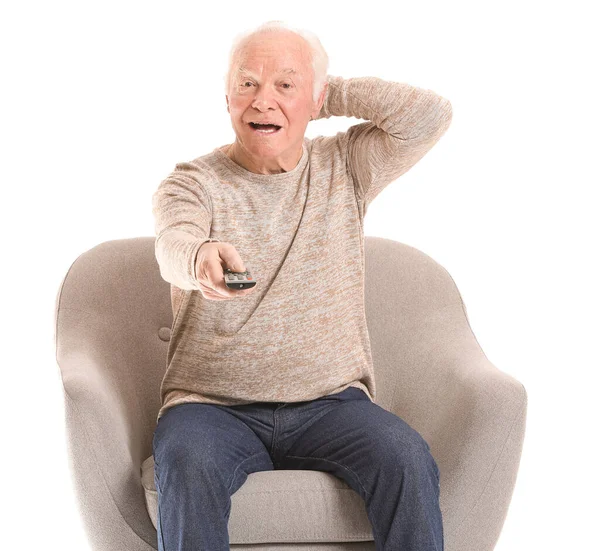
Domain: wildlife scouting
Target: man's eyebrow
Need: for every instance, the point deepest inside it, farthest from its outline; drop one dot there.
(244, 71)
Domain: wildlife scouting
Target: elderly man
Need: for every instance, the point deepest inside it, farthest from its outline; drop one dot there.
(280, 375)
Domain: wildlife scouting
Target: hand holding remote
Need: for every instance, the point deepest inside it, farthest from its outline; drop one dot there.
(239, 280)
(213, 262)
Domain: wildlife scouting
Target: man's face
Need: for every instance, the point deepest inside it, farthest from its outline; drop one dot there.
(263, 89)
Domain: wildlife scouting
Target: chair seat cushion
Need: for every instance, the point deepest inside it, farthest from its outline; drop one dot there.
(281, 506)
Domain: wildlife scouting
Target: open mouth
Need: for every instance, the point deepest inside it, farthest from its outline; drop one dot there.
(265, 128)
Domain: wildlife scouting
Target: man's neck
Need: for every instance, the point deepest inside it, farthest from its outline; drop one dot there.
(244, 161)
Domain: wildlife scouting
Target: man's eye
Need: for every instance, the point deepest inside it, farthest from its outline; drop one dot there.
(287, 84)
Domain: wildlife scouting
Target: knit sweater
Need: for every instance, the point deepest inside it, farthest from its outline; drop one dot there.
(302, 334)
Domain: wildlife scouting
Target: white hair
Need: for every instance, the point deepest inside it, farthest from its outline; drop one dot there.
(319, 57)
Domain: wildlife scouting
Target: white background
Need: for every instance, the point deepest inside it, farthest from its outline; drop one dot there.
(100, 100)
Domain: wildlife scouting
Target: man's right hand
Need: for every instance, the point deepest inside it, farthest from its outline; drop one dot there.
(211, 261)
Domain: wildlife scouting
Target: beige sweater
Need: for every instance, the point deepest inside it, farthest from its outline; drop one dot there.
(302, 334)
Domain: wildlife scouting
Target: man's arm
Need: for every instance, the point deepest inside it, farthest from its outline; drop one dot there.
(405, 123)
(183, 212)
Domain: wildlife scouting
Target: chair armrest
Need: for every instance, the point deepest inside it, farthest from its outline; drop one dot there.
(479, 433)
(472, 414)
(101, 433)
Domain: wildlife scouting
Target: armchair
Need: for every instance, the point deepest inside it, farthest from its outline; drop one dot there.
(113, 318)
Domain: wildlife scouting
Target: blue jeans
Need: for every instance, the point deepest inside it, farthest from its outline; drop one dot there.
(203, 453)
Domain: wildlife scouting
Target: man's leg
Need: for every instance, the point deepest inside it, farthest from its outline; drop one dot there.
(378, 455)
(202, 456)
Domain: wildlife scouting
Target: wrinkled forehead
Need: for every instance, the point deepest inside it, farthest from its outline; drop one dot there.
(280, 54)
(242, 70)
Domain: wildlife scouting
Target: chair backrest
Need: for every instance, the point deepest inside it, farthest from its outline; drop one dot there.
(114, 309)
(121, 313)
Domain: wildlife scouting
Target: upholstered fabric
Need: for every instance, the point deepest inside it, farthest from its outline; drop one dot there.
(113, 319)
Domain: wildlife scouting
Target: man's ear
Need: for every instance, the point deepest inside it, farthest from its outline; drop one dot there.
(227, 100)
(321, 99)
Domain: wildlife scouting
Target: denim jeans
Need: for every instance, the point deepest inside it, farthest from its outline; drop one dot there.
(203, 453)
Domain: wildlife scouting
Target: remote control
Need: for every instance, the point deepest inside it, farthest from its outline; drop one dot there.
(239, 280)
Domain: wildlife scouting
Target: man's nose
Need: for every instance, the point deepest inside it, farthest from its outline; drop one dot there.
(264, 99)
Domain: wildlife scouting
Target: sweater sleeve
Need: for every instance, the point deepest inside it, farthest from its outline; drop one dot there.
(182, 212)
(405, 122)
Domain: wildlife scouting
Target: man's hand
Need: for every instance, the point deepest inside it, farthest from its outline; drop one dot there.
(211, 261)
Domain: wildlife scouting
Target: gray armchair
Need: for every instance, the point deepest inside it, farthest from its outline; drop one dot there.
(113, 319)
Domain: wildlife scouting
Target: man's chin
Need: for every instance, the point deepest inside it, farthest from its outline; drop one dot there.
(263, 148)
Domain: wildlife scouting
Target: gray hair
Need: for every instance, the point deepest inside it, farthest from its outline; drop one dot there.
(319, 57)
